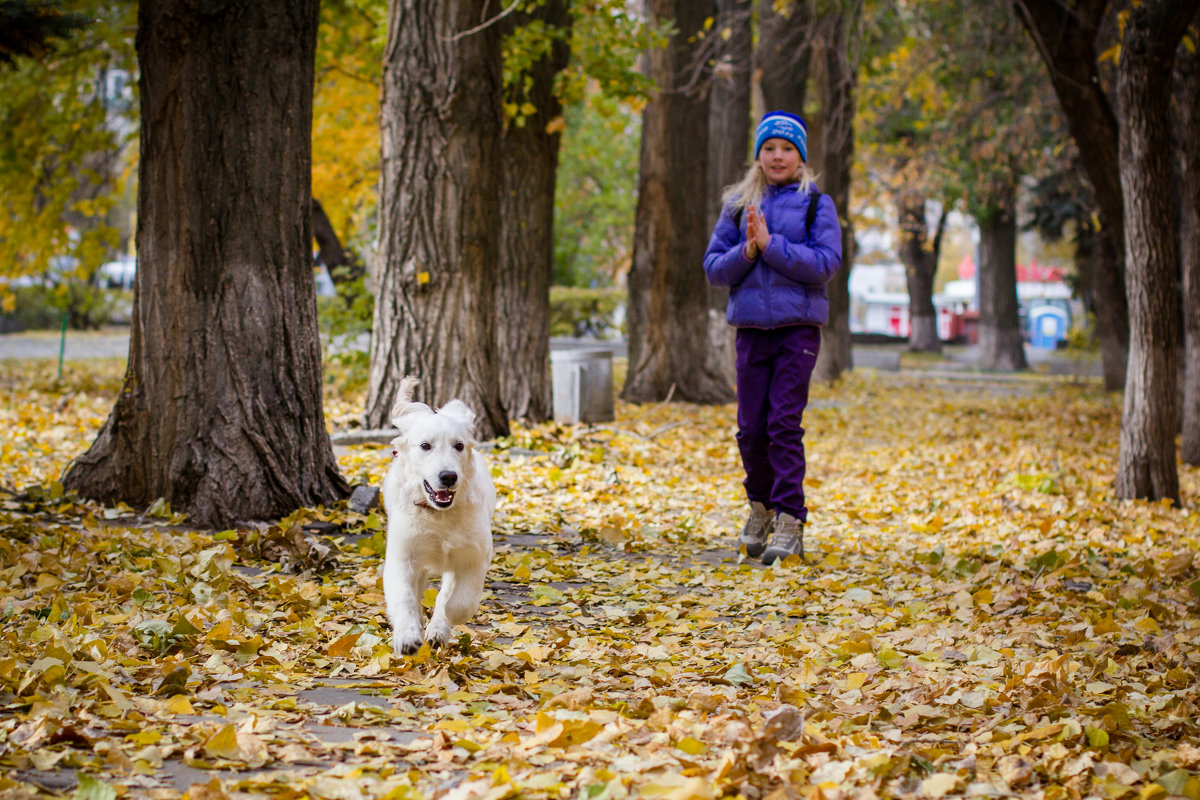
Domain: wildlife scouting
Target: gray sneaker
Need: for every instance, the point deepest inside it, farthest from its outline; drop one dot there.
(756, 530)
(787, 540)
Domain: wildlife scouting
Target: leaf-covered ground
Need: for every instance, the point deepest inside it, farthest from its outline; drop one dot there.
(978, 617)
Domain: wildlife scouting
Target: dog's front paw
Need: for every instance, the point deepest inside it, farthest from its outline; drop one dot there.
(437, 632)
(406, 637)
(407, 645)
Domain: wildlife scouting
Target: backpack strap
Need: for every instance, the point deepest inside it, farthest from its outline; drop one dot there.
(810, 215)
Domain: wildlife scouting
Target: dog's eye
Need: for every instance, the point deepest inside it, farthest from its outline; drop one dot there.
(459, 446)
(426, 446)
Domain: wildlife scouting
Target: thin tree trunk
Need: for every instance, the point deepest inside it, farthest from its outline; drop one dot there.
(220, 412)
(1065, 33)
(729, 121)
(1001, 347)
(837, 152)
(1112, 307)
(728, 145)
(1087, 248)
(439, 218)
(329, 246)
(526, 270)
(668, 294)
(920, 257)
(1147, 467)
(1187, 130)
(783, 58)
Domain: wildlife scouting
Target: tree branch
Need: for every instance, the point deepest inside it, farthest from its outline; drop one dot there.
(484, 26)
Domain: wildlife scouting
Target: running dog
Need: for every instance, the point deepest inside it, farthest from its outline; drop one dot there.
(440, 499)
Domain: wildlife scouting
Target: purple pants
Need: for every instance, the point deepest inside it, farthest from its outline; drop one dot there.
(774, 368)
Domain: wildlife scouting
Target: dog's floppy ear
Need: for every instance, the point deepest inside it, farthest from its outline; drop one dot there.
(458, 411)
(404, 408)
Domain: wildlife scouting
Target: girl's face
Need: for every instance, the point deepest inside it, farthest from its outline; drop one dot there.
(779, 160)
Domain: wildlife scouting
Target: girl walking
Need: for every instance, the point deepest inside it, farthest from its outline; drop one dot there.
(777, 243)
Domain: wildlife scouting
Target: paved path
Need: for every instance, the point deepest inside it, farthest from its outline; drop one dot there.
(114, 343)
(107, 343)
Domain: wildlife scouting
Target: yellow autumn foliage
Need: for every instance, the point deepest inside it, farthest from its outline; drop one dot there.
(978, 614)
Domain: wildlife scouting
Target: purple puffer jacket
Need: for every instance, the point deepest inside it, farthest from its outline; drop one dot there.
(785, 285)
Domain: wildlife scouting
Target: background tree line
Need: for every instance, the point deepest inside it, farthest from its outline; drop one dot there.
(922, 106)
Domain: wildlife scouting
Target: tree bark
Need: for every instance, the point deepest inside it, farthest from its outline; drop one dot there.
(1001, 347)
(837, 152)
(529, 165)
(920, 259)
(1187, 131)
(668, 293)
(1147, 468)
(439, 218)
(220, 412)
(729, 125)
(1065, 34)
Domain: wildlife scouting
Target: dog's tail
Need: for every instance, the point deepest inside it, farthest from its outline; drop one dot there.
(407, 386)
(404, 401)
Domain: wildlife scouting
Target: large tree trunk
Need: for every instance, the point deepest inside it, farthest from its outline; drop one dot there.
(1148, 423)
(220, 412)
(439, 216)
(1000, 345)
(1065, 34)
(1187, 130)
(668, 294)
(526, 269)
(920, 259)
(728, 145)
(837, 99)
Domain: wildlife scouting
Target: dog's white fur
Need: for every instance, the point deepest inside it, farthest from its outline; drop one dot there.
(440, 499)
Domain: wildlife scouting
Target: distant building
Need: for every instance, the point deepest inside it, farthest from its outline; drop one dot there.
(879, 304)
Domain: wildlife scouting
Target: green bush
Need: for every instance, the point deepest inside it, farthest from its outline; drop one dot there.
(349, 313)
(89, 307)
(1081, 338)
(585, 312)
(41, 307)
(31, 310)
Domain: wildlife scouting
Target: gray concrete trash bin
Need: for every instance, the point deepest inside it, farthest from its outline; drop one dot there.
(582, 384)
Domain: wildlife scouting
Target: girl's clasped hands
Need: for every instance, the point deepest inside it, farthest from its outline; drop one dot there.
(757, 235)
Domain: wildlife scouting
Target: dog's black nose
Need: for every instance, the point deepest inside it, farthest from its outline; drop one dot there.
(448, 478)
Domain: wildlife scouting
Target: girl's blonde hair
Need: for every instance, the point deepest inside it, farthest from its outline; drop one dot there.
(749, 190)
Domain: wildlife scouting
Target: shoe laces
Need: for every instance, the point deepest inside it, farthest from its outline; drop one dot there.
(788, 533)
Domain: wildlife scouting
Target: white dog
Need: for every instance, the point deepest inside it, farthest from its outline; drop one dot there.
(440, 499)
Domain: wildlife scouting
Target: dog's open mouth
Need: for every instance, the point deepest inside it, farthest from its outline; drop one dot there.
(441, 499)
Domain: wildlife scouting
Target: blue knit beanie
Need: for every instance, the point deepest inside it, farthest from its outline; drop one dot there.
(782, 125)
